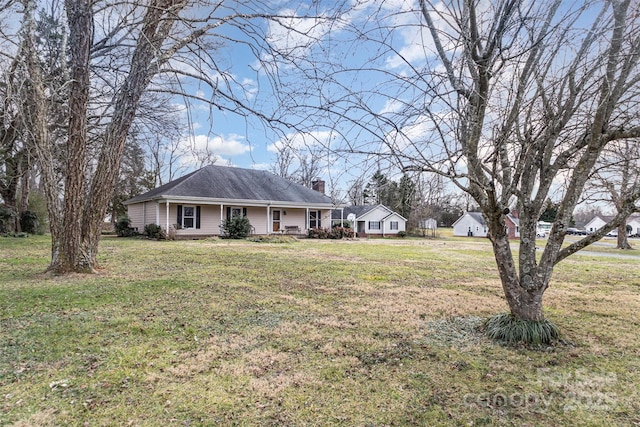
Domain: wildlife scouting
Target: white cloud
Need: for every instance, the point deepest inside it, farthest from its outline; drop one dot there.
(296, 33)
(199, 150)
(391, 106)
(229, 145)
(261, 166)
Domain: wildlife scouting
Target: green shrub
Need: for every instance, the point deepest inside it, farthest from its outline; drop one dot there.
(505, 327)
(237, 227)
(29, 222)
(154, 231)
(123, 227)
(402, 234)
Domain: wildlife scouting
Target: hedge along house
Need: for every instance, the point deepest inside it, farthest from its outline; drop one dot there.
(371, 220)
(197, 204)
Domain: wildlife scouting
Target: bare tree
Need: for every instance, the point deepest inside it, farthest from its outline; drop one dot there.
(511, 101)
(356, 191)
(282, 165)
(300, 161)
(119, 53)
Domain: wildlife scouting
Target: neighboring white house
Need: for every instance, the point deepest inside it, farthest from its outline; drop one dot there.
(372, 220)
(599, 221)
(470, 224)
(634, 223)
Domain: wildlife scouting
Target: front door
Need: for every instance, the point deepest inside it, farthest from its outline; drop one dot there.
(275, 218)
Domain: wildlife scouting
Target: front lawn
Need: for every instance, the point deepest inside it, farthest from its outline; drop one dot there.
(350, 333)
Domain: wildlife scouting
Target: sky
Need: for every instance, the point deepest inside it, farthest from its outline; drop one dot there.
(242, 141)
(386, 77)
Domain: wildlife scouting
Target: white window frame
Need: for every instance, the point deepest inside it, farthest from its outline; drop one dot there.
(317, 221)
(185, 216)
(235, 211)
(394, 225)
(377, 223)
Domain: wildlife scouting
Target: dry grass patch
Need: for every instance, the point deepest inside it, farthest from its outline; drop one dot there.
(378, 332)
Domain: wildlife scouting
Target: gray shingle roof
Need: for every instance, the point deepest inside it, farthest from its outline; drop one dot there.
(357, 210)
(478, 217)
(222, 182)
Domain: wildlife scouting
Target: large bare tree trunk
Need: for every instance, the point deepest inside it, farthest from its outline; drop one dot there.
(144, 65)
(80, 19)
(623, 242)
(523, 290)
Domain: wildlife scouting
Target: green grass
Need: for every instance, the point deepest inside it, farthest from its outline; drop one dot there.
(377, 332)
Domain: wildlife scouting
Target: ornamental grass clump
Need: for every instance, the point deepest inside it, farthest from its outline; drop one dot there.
(505, 327)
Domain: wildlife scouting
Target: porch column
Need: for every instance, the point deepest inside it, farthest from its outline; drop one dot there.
(269, 225)
(221, 217)
(167, 228)
(306, 220)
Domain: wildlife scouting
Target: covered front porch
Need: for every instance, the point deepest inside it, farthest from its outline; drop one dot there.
(202, 219)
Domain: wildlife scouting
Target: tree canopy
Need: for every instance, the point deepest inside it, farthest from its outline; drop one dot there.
(512, 102)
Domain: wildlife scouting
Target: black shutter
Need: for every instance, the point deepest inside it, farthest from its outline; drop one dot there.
(179, 216)
(197, 216)
(228, 212)
(244, 211)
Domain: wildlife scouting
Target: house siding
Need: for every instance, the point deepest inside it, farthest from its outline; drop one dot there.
(257, 218)
(376, 215)
(387, 225)
(597, 223)
(466, 223)
(293, 218)
(635, 226)
(142, 214)
(149, 212)
(136, 215)
(594, 225)
(210, 222)
(513, 229)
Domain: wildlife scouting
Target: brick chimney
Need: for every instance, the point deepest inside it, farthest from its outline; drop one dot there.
(318, 185)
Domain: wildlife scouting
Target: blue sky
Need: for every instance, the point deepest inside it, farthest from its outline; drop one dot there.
(244, 141)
